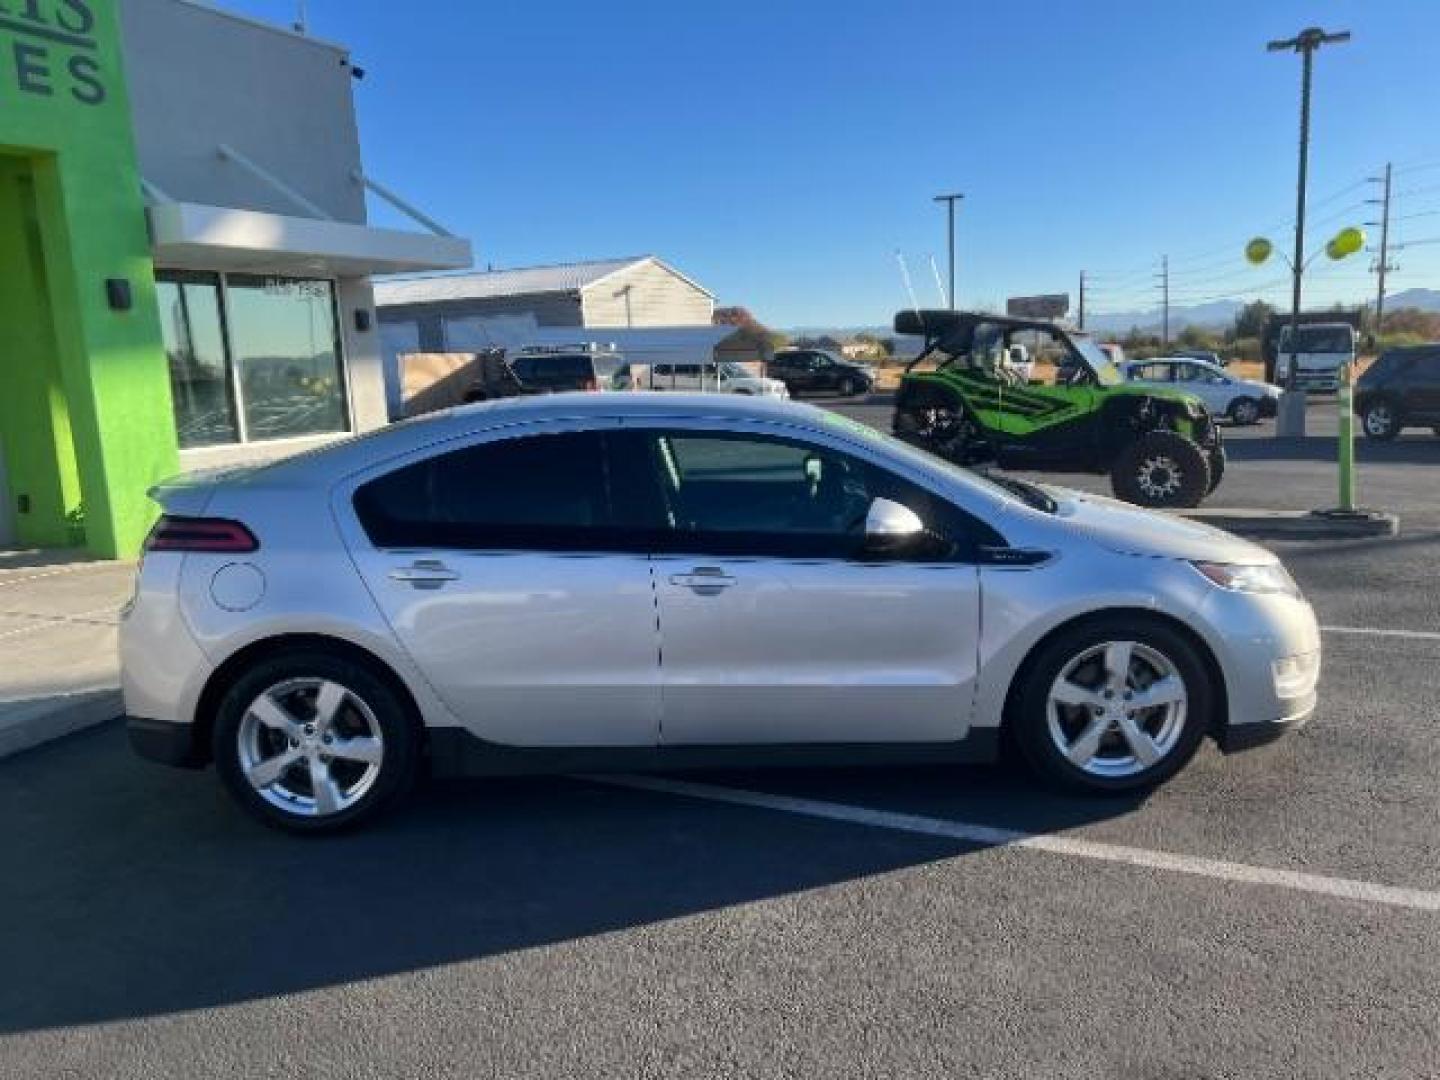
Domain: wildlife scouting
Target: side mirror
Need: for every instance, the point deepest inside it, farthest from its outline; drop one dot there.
(890, 527)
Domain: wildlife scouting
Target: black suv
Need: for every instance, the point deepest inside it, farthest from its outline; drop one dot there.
(1401, 389)
(810, 370)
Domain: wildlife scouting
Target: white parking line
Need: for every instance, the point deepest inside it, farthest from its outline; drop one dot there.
(989, 836)
(1375, 631)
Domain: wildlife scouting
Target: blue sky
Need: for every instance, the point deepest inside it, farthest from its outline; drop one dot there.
(781, 152)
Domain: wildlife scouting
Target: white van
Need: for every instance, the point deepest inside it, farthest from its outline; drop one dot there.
(1320, 351)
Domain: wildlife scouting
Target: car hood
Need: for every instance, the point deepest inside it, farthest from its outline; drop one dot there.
(1129, 530)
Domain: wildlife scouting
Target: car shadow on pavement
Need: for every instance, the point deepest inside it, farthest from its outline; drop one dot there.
(1409, 449)
(131, 890)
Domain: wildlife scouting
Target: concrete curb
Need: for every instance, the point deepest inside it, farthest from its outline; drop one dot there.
(1297, 524)
(27, 724)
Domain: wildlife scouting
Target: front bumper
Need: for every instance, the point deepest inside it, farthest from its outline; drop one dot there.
(1269, 650)
(1235, 738)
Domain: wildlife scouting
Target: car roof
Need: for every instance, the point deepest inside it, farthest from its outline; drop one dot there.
(361, 451)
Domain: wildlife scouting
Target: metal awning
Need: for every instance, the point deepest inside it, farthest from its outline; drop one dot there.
(194, 236)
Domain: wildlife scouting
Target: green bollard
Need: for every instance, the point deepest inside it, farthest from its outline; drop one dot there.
(1347, 438)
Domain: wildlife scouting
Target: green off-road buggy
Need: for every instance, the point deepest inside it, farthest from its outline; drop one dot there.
(964, 398)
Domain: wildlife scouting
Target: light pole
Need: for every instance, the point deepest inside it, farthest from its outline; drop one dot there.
(1291, 420)
(950, 201)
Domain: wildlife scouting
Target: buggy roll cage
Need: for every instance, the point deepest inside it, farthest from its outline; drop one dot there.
(954, 331)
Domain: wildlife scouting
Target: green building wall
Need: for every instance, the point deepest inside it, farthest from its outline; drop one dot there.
(85, 414)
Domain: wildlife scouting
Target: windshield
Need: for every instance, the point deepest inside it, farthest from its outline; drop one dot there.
(1320, 339)
(1096, 359)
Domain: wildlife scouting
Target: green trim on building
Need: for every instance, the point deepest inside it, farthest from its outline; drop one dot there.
(85, 415)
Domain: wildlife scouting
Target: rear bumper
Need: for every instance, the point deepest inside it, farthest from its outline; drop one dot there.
(164, 741)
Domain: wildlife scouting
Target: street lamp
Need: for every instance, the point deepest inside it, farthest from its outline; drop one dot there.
(950, 201)
(1291, 420)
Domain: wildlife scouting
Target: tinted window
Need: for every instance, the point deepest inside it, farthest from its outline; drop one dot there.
(721, 494)
(539, 492)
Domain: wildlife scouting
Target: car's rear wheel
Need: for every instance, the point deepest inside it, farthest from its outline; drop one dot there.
(1244, 411)
(1113, 705)
(1380, 420)
(1161, 469)
(846, 387)
(313, 741)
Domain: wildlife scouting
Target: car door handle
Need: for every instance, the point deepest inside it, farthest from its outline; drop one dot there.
(703, 579)
(424, 574)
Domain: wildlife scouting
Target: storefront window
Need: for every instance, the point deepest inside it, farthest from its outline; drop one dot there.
(195, 347)
(272, 341)
(284, 343)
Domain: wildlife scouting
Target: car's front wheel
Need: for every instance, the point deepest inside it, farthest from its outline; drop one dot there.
(1380, 420)
(1113, 705)
(1161, 469)
(313, 741)
(1244, 411)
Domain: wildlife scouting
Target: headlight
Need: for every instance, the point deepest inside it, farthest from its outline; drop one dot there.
(1261, 578)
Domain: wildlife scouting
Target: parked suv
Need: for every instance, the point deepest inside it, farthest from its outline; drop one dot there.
(1400, 390)
(811, 370)
(551, 370)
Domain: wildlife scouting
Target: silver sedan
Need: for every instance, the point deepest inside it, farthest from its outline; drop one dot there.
(653, 581)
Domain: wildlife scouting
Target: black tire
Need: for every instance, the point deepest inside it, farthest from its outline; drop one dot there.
(1217, 468)
(1244, 411)
(398, 730)
(1029, 720)
(846, 387)
(1380, 419)
(1161, 469)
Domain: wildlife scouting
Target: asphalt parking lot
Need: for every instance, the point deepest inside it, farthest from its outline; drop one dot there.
(1275, 913)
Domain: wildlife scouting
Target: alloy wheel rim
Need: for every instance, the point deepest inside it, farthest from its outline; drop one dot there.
(1117, 709)
(310, 747)
(1245, 412)
(1159, 476)
(1377, 420)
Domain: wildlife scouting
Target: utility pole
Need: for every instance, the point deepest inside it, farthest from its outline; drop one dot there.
(1164, 277)
(1082, 299)
(1292, 417)
(302, 17)
(950, 201)
(1384, 263)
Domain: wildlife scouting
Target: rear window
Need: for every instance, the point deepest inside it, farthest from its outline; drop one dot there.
(546, 492)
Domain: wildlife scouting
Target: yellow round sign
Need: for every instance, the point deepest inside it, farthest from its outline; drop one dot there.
(1258, 250)
(1346, 242)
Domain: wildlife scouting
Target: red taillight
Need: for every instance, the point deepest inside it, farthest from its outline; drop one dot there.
(200, 534)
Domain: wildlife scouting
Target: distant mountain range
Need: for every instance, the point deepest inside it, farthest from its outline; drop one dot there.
(1212, 316)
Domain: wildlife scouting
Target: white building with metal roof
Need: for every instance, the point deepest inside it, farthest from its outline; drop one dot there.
(640, 303)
